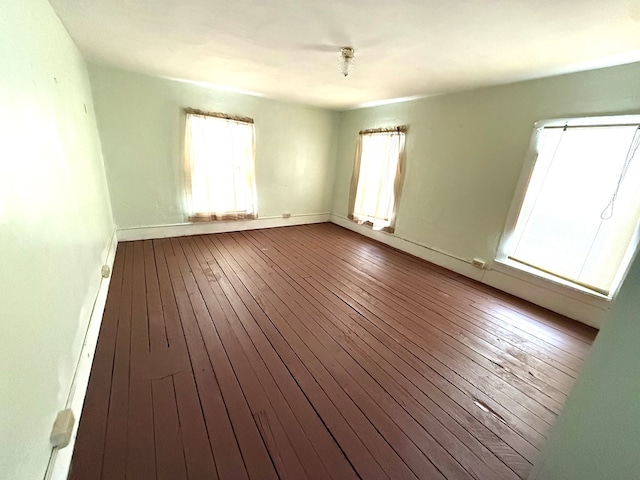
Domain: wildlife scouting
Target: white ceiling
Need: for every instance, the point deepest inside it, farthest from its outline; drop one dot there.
(289, 49)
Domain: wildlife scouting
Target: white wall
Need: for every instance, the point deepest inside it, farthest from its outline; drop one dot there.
(55, 227)
(141, 121)
(465, 152)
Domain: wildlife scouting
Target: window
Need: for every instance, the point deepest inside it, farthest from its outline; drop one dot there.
(579, 217)
(219, 167)
(377, 177)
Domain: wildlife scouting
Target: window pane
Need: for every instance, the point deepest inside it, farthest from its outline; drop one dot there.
(221, 165)
(375, 194)
(560, 229)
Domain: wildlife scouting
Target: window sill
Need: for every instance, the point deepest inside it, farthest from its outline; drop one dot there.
(369, 224)
(546, 280)
(230, 217)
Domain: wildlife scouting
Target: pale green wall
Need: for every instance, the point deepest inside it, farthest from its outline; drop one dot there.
(464, 155)
(141, 123)
(597, 435)
(465, 151)
(55, 226)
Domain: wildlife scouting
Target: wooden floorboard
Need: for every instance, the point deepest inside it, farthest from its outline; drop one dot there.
(89, 453)
(424, 290)
(381, 344)
(114, 461)
(425, 340)
(313, 352)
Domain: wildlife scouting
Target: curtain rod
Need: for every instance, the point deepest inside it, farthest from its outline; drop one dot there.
(401, 128)
(235, 118)
(594, 126)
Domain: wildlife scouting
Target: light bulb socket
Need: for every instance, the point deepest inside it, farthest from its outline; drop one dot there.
(347, 60)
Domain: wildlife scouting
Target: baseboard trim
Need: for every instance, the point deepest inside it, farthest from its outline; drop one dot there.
(580, 307)
(60, 460)
(592, 312)
(186, 229)
(443, 259)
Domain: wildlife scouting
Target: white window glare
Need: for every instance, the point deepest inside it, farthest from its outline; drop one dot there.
(219, 168)
(578, 220)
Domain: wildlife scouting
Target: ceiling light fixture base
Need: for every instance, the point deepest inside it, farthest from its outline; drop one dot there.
(347, 60)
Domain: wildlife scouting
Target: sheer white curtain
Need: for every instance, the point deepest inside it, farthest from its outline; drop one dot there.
(219, 168)
(377, 178)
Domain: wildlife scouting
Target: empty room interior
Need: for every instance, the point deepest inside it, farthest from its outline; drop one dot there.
(323, 240)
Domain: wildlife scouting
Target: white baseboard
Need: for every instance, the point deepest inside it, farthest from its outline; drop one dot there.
(451, 262)
(576, 305)
(185, 229)
(580, 307)
(60, 460)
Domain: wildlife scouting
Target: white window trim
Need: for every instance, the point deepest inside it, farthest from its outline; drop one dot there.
(378, 223)
(194, 216)
(505, 265)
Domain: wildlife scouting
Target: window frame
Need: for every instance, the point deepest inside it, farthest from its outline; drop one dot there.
(504, 244)
(398, 180)
(200, 217)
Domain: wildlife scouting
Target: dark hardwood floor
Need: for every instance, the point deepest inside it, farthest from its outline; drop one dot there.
(313, 352)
